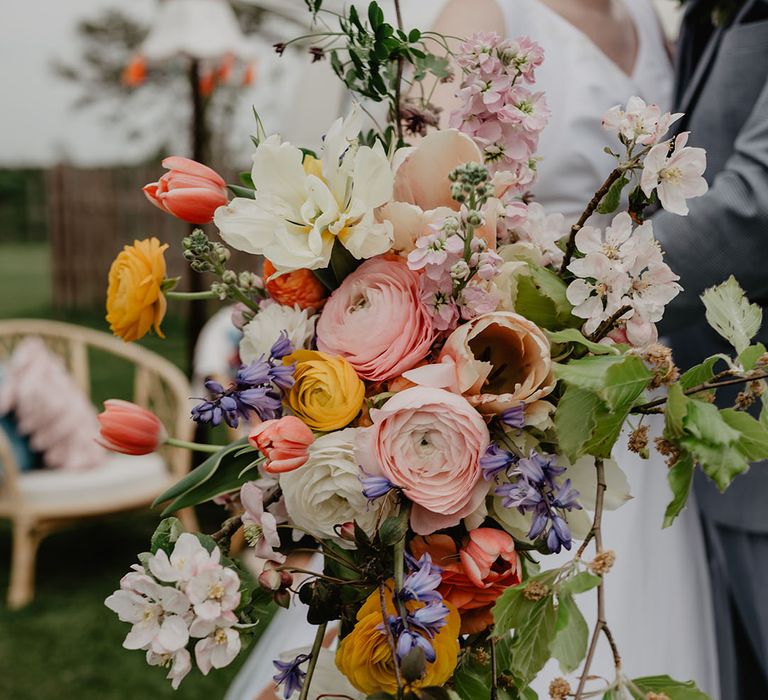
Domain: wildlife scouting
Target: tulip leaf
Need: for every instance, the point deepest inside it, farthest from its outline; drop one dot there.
(216, 475)
(730, 313)
(240, 191)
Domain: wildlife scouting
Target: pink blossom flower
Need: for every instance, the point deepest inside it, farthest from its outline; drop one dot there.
(179, 662)
(598, 299)
(260, 525)
(675, 177)
(283, 441)
(214, 592)
(639, 122)
(218, 645)
(375, 319)
(187, 558)
(428, 442)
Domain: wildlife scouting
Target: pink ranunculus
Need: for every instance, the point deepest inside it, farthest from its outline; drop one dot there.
(284, 442)
(130, 429)
(376, 321)
(428, 442)
(190, 191)
(515, 367)
(422, 193)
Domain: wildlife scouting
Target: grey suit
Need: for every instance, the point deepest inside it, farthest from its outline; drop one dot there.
(723, 88)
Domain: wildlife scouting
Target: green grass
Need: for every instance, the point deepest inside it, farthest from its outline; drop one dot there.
(66, 645)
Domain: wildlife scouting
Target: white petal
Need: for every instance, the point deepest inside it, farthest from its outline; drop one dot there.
(373, 178)
(173, 634)
(278, 170)
(248, 225)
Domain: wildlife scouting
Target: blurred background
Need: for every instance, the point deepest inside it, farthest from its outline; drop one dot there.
(95, 94)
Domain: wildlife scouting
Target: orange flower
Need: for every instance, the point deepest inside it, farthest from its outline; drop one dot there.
(130, 429)
(475, 575)
(299, 287)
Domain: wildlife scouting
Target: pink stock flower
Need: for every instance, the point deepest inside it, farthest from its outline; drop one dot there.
(428, 442)
(675, 177)
(376, 321)
(283, 441)
(260, 526)
(477, 300)
(542, 232)
(190, 191)
(130, 429)
(497, 360)
(437, 297)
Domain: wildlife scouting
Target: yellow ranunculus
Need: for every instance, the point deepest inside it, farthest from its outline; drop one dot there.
(365, 658)
(135, 301)
(327, 394)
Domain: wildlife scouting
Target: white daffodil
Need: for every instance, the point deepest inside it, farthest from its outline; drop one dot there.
(302, 204)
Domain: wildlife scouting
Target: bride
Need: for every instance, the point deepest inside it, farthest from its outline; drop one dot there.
(598, 54)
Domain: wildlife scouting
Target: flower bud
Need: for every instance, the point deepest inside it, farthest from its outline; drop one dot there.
(347, 531)
(283, 598)
(271, 580)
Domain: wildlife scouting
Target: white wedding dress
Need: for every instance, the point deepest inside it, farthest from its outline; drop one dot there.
(657, 595)
(658, 601)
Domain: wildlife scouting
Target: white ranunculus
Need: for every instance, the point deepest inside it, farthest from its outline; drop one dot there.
(300, 208)
(327, 491)
(260, 334)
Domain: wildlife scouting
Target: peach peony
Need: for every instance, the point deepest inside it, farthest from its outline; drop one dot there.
(376, 321)
(298, 288)
(422, 192)
(498, 360)
(428, 442)
(475, 575)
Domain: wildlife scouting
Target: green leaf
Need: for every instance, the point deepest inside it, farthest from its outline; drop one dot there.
(166, 533)
(246, 180)
(573, 335)
(721, 463)
(533, 639)
(580, 583)
(610, 203)
(575, 420)
(749, 357)
(625, 381)
(675, 411)
(753, 438)
(699, 374)
(680, 478)
(512, 608)
(217, 475)
(731, 315)
(541, 299)
(394, 528)
(342, 262)
(569, 646)
(675, 690)
(240, 191)
(705, 422)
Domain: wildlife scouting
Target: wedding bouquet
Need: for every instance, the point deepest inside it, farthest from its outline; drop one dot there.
(435, 372)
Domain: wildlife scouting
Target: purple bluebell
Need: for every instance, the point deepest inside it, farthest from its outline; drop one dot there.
(539, 468)
(290, 676)
(521, 495)
(282, 376)
(495, 461)
(421, 585)
(375, 486)
(254, 374)
(431, 618)
(281, 347)
(562, 532)
(408, 640)
(566, 497)
(514, 417)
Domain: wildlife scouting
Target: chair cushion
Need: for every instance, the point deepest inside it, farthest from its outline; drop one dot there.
(119, 479)
(26, 458)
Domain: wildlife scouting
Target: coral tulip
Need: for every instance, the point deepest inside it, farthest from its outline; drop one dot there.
(130, 429)
(300, 288)
(284, 442)
(190, 191)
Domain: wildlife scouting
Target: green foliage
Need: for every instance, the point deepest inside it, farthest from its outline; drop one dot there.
(342, 264)
(541, 299)
(748, 357)
(731, 315)
(575, 337)
(599, 393)
(166, 534)
(699, 374)
(221, 473)
(674, 690)
(569, 646)
(680, 478)
(610, 203)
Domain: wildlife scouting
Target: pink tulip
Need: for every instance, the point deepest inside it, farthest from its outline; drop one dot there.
(284, 442)
(190, 191)
(130, 429)
(479, 557)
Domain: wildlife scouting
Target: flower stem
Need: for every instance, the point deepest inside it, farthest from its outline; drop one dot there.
(398, 80)
(191, 296)
(390, 639)
(607, 326)
(494, 670)
(196, 446)
(315, 654)
(228, 529)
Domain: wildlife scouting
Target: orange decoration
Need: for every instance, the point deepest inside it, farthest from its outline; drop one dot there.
(299, 287)
(135, 73)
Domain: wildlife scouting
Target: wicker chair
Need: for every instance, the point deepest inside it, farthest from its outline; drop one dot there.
(42, 501)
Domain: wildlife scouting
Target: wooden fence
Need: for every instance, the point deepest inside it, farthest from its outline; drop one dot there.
(92, 213)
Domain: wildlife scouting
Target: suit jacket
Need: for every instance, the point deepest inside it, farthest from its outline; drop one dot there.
(723, 89)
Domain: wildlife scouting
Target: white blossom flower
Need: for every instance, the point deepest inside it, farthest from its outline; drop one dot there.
(598, 299)
(260, 334)
(301, 208)
(260, 525)
(327, 492)
(219, 643)
(675, 177)
(187, 557)
(639, 122)
(156, 613)
(213, 592)
(179, 663)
